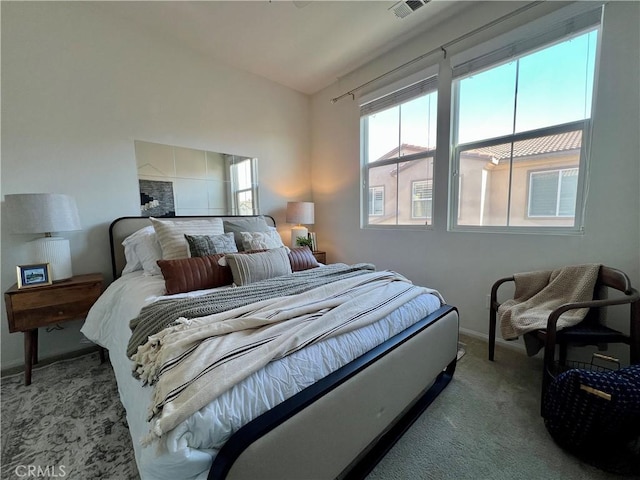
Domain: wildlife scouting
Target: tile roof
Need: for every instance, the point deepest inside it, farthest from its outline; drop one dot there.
(560, 142)
(524, 148)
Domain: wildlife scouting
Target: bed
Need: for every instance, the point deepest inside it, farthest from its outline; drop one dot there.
(329, 410)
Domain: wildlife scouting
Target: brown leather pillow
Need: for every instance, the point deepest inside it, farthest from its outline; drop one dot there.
(195, 273)
(302, 258)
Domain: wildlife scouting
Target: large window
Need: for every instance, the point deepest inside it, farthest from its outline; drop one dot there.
(399, 142)
(519, 128)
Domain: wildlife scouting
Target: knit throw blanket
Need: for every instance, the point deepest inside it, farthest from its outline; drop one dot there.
(161, 314)
(195, 360)
(537, 294)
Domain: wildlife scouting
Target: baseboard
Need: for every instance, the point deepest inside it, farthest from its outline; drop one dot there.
(517, 345)
(49, 360)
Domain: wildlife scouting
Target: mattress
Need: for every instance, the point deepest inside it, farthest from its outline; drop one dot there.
(188, 450)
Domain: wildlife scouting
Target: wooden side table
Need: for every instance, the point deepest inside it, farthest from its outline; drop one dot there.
(34, 307)
(320, 256)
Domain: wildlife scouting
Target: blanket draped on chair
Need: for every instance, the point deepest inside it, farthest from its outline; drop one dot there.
(537, 294)
(194, 361)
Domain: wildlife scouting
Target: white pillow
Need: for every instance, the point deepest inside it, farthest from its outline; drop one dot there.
(142, 251)
(261, 240)
(171, 234)
(253, 267)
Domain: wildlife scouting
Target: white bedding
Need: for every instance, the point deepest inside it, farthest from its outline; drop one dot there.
(188, 450)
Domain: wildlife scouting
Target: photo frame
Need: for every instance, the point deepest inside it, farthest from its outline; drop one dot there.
(34, 275)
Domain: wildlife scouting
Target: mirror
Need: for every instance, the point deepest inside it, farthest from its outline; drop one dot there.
(185, 181)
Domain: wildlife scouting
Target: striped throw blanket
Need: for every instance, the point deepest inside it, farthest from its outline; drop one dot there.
(193, 362)
(163, 313)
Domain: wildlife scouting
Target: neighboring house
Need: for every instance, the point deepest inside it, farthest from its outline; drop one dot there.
(413, 180)
(544, 178)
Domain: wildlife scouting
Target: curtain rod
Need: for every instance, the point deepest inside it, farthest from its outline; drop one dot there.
(442, 48)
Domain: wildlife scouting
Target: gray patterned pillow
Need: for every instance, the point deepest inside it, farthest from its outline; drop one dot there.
(253, 267)
(203, 245)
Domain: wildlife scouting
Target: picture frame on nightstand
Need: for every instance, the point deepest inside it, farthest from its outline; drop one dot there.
(34, 275)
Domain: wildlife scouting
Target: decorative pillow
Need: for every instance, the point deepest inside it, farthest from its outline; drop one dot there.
(142, 251)
(201, 245)
(171, 234)
(248, 224)
(250, 268)
(301, 258)
(261, 240)
(196, 273)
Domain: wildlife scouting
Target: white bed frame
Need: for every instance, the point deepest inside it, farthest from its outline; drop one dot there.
(343, 425)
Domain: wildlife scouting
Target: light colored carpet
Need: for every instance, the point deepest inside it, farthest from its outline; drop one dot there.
(484, 425)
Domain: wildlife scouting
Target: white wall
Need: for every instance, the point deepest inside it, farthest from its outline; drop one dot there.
(463, 266)
(79, 86)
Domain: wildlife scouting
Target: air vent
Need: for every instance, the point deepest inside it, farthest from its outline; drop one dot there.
(403, 9)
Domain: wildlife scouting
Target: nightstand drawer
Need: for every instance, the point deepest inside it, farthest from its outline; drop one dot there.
(43, 316)
(42, 306)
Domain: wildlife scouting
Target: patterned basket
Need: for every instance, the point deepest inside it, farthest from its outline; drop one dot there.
(594, 412)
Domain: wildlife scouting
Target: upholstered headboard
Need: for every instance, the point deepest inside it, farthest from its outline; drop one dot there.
(122, 227)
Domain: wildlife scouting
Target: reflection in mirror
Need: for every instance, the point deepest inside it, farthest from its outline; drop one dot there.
(184, 181)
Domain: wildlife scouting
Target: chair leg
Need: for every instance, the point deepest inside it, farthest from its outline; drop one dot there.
(492, 333)
(563, 354)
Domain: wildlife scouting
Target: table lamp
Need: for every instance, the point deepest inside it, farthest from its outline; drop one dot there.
(45, 213)
(299, 213)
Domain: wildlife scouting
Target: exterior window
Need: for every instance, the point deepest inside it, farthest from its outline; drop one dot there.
(376, 201)
(421, 198)
(519, 129)
(399, 142)
(552, 193)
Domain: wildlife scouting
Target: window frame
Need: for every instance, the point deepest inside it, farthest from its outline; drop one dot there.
(584, 125)
(430, 81)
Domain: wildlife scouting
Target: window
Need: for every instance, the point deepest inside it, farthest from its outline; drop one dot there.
(519, 128)
(376, 201)
(552, 193)
(421, 198)
(244, 196)
(398, 143)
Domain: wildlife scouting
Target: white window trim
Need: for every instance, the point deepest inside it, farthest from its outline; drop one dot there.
(454, 194)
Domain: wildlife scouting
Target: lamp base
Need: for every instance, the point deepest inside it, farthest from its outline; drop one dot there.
(56, 252)
(296, 232)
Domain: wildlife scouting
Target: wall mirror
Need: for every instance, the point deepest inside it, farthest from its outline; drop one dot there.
(185, 181)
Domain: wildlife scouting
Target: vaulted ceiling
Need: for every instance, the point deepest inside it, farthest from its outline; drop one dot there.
(304, 45)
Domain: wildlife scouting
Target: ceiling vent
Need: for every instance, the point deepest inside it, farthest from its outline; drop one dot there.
(403, 9)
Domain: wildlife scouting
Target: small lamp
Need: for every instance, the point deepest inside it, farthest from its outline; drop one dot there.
(299, 213)
(45, 213)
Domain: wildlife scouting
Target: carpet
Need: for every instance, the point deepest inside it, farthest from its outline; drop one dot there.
(68, 423)
(484, 426)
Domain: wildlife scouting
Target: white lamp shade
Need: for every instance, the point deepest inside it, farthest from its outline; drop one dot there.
(41, 213)
(300, 212)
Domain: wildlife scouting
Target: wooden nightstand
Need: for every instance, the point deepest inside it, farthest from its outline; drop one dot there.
(320, 256)
(30, 308)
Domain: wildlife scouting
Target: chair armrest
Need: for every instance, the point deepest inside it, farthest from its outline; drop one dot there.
(631, 297)
(494, 290)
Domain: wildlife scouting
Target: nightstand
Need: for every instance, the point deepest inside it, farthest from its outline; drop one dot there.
(320, 256)
(34, 307)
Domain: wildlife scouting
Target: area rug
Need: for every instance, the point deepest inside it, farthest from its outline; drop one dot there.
(68, 423)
